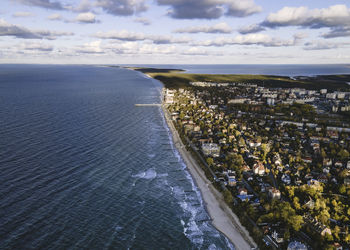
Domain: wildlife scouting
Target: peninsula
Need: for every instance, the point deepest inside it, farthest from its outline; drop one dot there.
(275, 149)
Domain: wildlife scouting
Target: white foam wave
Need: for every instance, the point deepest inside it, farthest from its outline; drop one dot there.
(148, 175)
(193, 229)
(212, 247)
(229, 244)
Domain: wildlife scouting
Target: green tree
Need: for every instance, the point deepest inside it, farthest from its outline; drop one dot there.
(296, 221)
(286, 235)
(181, 115)
(265, 149)
(328, 237)
(296, 203)
(343, 154)
(228, 197)
(210, 161)
(343, 173)
(324, 216)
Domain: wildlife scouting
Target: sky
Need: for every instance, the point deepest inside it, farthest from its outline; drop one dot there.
(175, 31)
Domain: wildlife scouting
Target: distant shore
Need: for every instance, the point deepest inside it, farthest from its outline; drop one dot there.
(223, 219)
(177, 78)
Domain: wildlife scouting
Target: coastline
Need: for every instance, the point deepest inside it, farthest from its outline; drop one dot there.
(222, 217)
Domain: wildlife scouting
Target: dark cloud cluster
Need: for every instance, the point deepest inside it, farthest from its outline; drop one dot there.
(122, 7)
(47, 4)
(320, 45)
(325, 45)
(341, 31)
(84, 6)
(209, 9)
(181, 9)
(7, 29)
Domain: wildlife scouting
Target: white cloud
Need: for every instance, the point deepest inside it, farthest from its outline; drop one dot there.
(250, 39)
(52, 35)
(333, 16)
(151, 49)
(23, 14)
(143, 20)
(131, 48)
(36, 46)
(134, 48)
(55, 17)
(217, 28)
(87, 17)
(125, 35)
(241, 8)
(90, 48)
(323, 45)
(121, 35)
(194, 51)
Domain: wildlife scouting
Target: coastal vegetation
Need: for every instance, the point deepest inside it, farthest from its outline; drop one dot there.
(177, 78)
(155, 70)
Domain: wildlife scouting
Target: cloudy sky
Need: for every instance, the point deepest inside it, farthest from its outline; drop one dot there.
(175, 31)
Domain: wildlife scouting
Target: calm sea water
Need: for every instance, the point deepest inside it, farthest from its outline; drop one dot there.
(83, 168)
(260, 69)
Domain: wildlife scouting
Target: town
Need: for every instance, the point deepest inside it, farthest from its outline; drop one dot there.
(280, 156)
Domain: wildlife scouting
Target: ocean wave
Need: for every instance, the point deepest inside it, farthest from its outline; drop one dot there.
(148, 175)
(198, 221)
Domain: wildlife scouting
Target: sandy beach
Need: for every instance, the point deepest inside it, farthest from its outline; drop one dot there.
(222, 216)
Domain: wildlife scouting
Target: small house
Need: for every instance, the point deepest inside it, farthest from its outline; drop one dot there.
(274, 193)
(242, 191)
(258, 168)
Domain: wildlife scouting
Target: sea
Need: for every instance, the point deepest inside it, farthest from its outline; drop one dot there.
(82, 168)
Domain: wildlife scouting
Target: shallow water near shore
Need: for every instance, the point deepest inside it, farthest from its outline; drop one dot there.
(83, 168)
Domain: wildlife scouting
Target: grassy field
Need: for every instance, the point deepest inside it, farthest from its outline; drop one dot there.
(173, 78)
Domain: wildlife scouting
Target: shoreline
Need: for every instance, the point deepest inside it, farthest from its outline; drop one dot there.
(222, 217)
